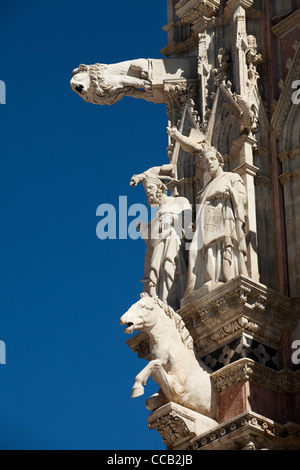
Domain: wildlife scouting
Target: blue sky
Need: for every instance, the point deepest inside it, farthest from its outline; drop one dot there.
(68, 377)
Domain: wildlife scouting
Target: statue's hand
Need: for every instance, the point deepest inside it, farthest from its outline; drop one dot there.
(220, 194)
(172, 131)
(227, 192)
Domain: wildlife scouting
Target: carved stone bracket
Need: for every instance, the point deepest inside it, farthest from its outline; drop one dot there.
(289, 176)
(177, 424)
(189, 11)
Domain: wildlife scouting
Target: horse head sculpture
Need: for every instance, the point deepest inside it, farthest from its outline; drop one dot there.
(182, 378)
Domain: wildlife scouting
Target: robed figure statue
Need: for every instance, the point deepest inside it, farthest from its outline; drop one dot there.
(218, 250)
(165, 271)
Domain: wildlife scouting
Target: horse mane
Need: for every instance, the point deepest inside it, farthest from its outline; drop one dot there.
(185, 336)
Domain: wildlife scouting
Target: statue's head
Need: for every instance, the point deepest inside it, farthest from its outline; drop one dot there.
(154, 189)
(211, 160)
(80, 81)
(141, 316)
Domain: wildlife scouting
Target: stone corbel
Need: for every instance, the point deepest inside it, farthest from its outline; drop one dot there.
(289, 176)
(289, 154)
(177, 425)
(240, 306)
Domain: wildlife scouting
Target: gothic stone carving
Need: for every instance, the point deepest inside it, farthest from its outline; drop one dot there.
(165, 260)
(248, 370)
(106, 84)
(191, 10)
(182, 378)
(177, 425)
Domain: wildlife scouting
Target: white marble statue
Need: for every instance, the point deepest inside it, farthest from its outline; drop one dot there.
(181, 377)
(218, 250)
(187, 143)
(108, 83)
(165, 269)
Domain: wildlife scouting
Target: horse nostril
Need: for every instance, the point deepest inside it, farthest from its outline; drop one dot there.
(79, 88)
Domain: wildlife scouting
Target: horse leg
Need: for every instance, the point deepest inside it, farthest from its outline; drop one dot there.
(165, 381)
(141, 379)
(156, 401)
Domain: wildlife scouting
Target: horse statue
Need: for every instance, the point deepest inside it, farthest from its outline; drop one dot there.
(182, 378)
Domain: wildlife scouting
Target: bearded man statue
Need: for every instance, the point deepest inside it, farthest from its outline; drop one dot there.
(165, 270)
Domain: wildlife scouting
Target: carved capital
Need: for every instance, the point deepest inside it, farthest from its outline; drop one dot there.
(289, 154)
(289, 176)
(177, 425)
(239, 306)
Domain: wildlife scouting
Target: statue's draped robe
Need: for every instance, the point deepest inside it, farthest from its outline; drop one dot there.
(166, 258)
(218, 249)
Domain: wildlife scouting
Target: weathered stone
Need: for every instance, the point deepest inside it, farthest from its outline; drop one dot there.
(240, 312)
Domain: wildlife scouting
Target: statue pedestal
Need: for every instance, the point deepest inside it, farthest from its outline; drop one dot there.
(241, 319)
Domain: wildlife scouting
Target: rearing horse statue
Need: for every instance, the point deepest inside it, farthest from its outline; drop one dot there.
(182, 378)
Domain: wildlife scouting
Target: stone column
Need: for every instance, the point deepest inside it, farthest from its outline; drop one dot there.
(243, 148)
(239, 44)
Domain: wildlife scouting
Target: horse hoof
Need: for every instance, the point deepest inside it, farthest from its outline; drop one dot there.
(137, 391)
